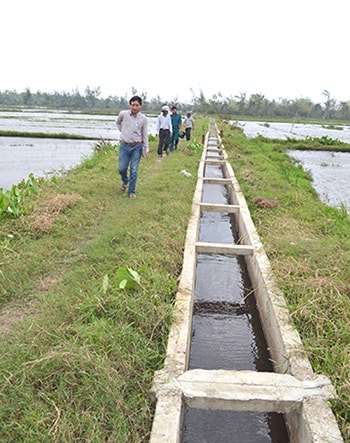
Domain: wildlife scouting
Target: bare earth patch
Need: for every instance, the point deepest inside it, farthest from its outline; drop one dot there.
(15, 313)
(12, 315)
(265, 203)
(43, 218)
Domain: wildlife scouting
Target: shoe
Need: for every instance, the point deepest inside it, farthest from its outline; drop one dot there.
(123, 187)
(132, 196)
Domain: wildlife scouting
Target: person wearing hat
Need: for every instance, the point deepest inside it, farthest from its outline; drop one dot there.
(164, 130)
(189, 125)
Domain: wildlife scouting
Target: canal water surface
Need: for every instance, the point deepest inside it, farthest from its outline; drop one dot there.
(226, 331)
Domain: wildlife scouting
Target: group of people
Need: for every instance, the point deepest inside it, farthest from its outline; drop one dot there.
(169, 127)
(133, 127)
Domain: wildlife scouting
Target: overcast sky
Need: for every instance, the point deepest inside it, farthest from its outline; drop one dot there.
(277, 48)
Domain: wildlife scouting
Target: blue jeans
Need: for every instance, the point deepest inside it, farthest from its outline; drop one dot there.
(129, 155)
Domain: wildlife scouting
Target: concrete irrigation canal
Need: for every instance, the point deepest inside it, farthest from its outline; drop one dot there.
(235, 369)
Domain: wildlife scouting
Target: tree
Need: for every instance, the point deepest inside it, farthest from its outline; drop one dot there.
(344, 110)
(91, 96)
(329, 105)
(242, 103)
(27, 97)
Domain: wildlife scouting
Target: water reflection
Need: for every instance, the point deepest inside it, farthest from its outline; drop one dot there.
(21, 156)
(330, 175)
(283, 131)
(330, 171)
(59, 122)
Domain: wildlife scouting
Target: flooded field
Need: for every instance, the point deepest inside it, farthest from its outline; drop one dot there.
(20, 156)
(283, 131)
(330, 170)
(102, 126)
(330, 175)
(43, 157)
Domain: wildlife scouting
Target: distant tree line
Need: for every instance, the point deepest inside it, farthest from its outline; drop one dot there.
(255, 105)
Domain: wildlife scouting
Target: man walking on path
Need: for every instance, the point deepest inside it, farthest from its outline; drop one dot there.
(132, 125)
(189, 125)
(176, 121)
(165, 130)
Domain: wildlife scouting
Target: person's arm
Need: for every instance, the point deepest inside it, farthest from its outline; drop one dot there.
(119, 121)
(145, 138)
(170, 125)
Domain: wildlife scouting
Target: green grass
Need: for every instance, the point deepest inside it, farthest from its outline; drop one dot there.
(79, 353)
(308, 245)
(60, 135)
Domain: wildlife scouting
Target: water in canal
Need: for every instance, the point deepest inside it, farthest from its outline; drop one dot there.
(226, 332)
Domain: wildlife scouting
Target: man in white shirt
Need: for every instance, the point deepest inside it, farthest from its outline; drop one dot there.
(189, 125)
(164, 130)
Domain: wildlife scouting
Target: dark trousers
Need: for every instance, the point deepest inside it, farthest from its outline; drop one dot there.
(174, 140)
(164, 141)
(188, 133)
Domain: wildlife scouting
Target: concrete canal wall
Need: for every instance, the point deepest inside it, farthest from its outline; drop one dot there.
(291, 389)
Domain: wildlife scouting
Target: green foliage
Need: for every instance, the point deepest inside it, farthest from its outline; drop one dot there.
(62, 135)
(194, 147)
(315, 143)
(243, 106)
(338, 128)
(4, 202)
(324, 140)
(105, 146)
(127, 278)
(11, 202)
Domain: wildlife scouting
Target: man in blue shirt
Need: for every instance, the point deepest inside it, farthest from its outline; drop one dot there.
(176, 121)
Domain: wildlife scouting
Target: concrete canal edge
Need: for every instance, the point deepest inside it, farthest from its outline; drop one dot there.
(293, 389)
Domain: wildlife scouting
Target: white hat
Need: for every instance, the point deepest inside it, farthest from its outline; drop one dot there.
(165, 108)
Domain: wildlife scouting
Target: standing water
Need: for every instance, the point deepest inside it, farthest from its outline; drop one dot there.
(330, 171)
(226, 331)
(44, 157)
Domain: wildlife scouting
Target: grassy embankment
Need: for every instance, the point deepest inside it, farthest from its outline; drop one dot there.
(308, 245)
(79, 353)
